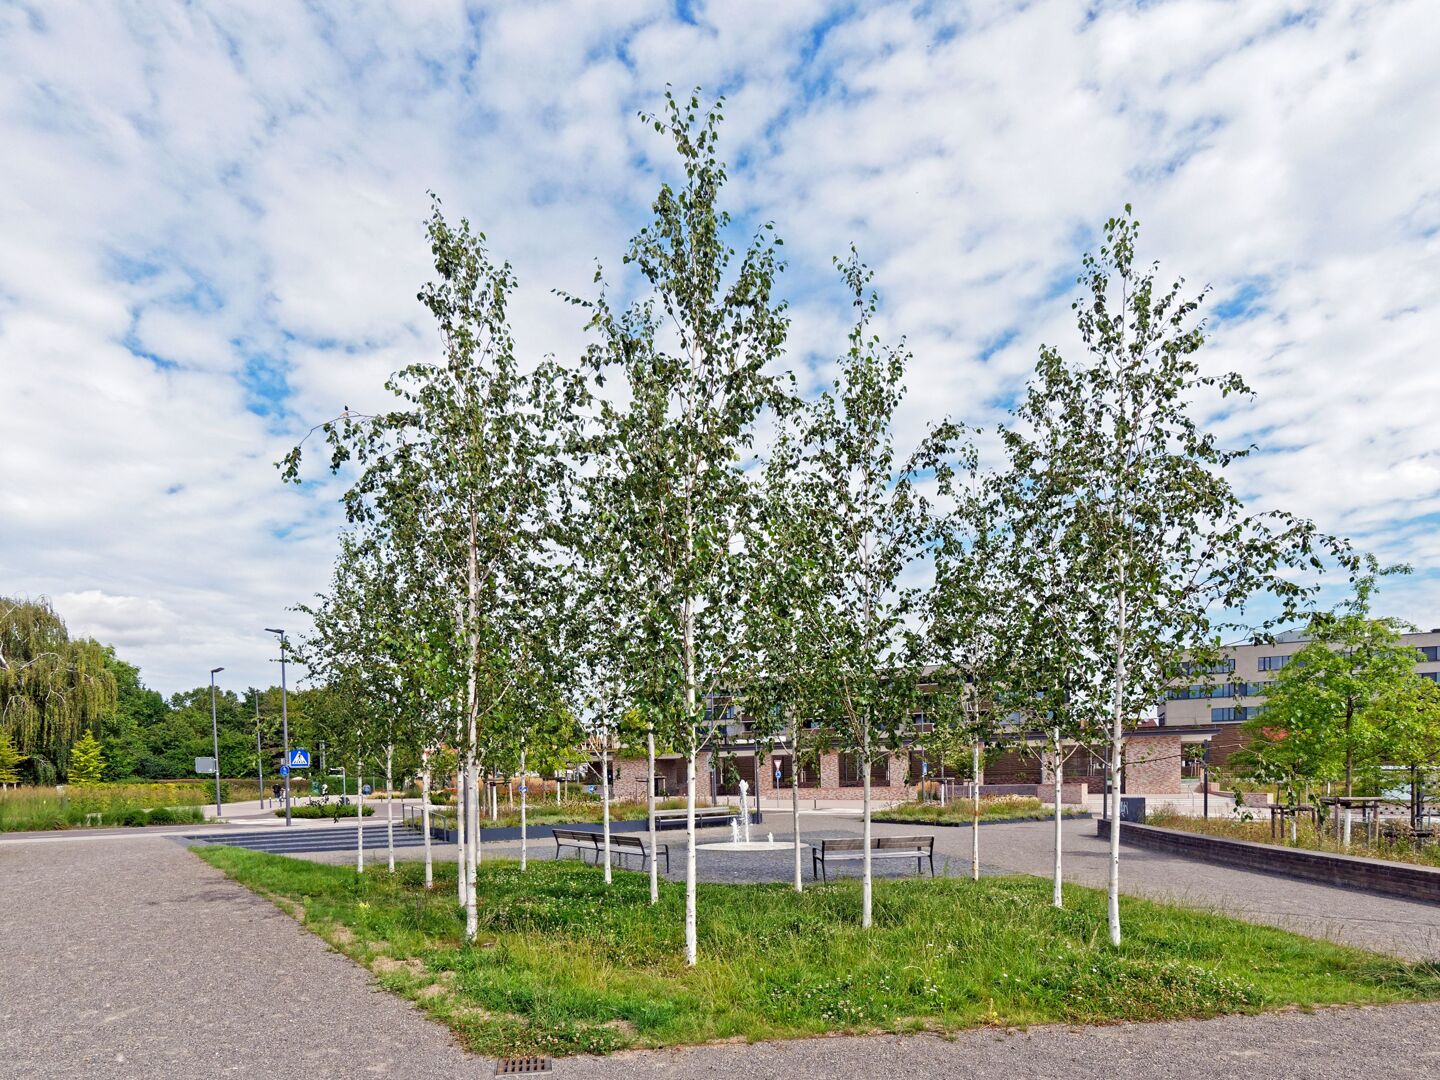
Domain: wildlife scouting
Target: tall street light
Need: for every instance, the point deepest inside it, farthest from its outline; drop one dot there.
(284, 719)
(215, 739)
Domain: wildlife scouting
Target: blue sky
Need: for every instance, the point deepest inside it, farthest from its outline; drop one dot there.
(212, 239)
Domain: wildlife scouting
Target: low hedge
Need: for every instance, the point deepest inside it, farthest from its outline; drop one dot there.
(321, 810)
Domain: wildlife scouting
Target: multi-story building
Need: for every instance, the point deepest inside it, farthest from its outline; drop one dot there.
(1232, 691)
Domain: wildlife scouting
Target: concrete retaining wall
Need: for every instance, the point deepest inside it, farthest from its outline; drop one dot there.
(1348, 871)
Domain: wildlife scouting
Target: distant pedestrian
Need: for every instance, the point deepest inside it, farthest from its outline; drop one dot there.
(276, 789)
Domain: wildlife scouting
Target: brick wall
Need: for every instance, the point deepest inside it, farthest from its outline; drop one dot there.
(1152, 765)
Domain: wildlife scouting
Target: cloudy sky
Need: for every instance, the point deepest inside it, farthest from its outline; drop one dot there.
(211, 238)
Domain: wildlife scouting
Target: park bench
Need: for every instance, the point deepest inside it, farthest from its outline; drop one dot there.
(582, 840)
(627, 845)
(704, 815)
(852, 849)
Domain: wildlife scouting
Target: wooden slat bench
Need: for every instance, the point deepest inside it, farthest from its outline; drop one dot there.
(582, 840)
(852, 849)
(704, 815)
(627, 845)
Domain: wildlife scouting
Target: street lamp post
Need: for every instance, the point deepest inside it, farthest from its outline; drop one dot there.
(284, 719)
(215, 739)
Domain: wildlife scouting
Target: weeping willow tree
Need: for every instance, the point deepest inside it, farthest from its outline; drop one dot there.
(52, 689)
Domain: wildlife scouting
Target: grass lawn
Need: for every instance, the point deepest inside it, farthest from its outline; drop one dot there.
(564, 965)
(961, 811)
(1258, 831)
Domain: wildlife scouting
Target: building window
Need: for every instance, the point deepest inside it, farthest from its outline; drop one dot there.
(1273, 663)
(1195, 667)
(851, 776)
(1431, 654)
(1433, 676)
(918, 761)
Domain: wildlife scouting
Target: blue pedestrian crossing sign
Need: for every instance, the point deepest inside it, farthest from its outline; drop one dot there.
(299, 759)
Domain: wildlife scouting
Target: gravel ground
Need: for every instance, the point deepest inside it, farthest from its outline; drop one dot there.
(132, 958)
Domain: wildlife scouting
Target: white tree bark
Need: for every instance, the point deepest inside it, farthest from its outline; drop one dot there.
(868, 884)
(795, 810)
(425, 818)
(691, 942)
(605, 806)
(360, 817)
(975, 805)
(1057, 764)
(1117, 737)
(524, 791)
(472, 836)
(462, 850)
(650, 803)
(390, 805)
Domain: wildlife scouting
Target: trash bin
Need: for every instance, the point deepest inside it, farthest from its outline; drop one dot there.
(1132, 809)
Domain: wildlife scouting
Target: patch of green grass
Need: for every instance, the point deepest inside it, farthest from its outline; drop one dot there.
(565, 965)
(962, 811)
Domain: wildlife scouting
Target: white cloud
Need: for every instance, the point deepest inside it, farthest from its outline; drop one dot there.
(212, 230)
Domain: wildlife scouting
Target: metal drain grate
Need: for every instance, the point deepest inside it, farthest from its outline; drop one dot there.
(526, 1066)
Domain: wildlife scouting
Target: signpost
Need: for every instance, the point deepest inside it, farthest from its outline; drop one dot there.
(204, 765)
(285, 771)
(299, 759)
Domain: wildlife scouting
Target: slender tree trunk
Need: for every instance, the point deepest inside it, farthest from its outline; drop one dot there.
(425, 818)
(1117, 737)
(472, 855)
(605, 805)
(390, 805)
(650, 803)
(462, 851)
(1058, 765)
(795, 810)
(868, 885)
(691, 944)
(1349, 751)
(524, 792)
(975, 809)
(360, 817)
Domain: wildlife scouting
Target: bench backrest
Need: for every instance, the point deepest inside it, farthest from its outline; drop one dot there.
(622, 840)
(916, 843)
(879, 843)
(574, 834)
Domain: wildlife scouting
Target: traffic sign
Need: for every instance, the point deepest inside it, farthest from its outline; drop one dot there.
(284, 770)
(205, 765)
(367, 790)
(299, 759)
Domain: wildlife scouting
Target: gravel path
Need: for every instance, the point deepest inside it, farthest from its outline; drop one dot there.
(132, 958)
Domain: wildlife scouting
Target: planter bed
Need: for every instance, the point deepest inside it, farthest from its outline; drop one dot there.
(1348, 871)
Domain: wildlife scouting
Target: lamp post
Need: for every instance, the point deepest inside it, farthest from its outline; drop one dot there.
(284, 719)
(215, 739)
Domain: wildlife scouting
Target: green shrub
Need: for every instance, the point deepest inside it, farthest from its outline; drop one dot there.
(323, 810)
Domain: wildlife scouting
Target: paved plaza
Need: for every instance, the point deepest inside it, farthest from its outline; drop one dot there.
(125, 956)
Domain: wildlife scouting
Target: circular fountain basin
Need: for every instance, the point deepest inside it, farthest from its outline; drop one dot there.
(750, 845)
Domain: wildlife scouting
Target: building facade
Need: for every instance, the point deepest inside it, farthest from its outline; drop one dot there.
(1225, 696)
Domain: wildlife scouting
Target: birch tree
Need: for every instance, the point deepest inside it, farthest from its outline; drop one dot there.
(869, 522)
(692, 357)
(478, 442)
(1144, 503)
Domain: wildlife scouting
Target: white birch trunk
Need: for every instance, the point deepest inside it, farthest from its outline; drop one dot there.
(795, 811)
(472, 855)
(605, 807)
(390, 805)
(524, 791)
(868, 884)
(691, 942)
(654, 831)
(1057, 764)
(425, 818)
(975, 809)
(360, 817)
(462, 851)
